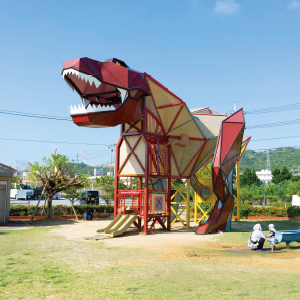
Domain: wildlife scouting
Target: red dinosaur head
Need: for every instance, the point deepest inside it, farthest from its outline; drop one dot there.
(99, 84)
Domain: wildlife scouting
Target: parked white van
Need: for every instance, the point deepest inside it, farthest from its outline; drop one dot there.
(26, 192)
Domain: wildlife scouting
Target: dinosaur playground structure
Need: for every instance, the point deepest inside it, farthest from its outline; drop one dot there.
(161, 141)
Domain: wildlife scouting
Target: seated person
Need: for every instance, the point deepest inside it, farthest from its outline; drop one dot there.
(257, 237)
(271, 236)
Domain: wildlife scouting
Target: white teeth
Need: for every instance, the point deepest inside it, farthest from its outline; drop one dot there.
(86, 102)
(85, 77)
(70, 71)
(87, 106)
(81, 109)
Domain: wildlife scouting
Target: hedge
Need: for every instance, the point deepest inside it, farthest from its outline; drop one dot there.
(249, 210)
(59, 210)
(245, 210)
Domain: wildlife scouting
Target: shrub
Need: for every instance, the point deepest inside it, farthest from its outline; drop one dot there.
(58, 210)
(281, 204)
(293, 211)
(247, 210)
(18, 210)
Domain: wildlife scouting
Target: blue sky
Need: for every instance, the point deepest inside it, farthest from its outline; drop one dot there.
(209, 53)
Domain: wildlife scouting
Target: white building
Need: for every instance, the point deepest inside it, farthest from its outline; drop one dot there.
(264, 175)
(98, 172)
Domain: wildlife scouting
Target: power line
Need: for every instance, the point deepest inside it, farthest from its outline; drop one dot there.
(55, 142)
(21, 114)
(29, 99)
(274, 109)
(90, 154)
(283, 123)
(278, 138)
(276, 148)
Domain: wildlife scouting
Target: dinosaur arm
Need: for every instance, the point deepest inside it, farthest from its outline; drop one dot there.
(182, 142)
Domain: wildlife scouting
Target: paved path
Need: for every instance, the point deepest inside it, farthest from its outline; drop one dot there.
(61, 201)
(34, 202)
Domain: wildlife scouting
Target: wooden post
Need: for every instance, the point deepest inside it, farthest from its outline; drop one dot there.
(38, 204)
(44, 205)
(73, 210)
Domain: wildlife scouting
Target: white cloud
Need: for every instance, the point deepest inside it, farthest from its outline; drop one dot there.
(226, 7)
(294, 4)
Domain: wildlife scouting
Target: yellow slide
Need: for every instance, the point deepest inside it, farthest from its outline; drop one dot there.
(118, 226)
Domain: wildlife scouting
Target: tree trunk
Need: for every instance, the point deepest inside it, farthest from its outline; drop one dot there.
(49, 208)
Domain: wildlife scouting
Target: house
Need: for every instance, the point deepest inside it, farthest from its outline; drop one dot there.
(6, 174)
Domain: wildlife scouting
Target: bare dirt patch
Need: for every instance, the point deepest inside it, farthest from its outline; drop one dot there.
(177, 244)
(158, 239)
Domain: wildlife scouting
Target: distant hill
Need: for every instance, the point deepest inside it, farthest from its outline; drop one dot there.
(289, 157)
(89, 170)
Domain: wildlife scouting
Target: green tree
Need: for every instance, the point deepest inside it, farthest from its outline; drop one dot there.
(281, 193)
(73, 194)
(281, 175)
(249, 178)
(245, 194)
(55, 175)
(177, 182)
(18, 181)
(276, 175)
(107, 184)
(285, 174)
(295, 189)
(295, 178)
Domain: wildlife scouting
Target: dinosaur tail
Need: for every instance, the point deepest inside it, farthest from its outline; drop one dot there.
(218, 218)
(227, 152)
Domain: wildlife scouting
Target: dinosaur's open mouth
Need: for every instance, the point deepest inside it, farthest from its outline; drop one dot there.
(96, 96)
(110, 91)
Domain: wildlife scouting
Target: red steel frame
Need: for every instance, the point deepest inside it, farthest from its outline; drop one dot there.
(154, 158)
(144, 192)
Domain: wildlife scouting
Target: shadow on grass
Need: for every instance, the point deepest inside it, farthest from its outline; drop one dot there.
(12, 225)
(4, 232)
(51, 222)
(293, 247)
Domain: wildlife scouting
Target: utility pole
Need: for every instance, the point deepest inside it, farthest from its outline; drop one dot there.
(268, 161)
(264, 194)
(84, 157)
(77, 159)
(111, 147)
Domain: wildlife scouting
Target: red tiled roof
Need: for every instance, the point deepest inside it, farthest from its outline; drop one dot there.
(7, 167)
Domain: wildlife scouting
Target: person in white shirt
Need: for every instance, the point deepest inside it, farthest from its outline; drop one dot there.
(257, 236)
(271, 236)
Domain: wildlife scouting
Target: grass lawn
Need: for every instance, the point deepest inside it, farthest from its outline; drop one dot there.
(36, 264)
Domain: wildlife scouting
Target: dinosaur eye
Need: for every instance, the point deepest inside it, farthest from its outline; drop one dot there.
(118, 62)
